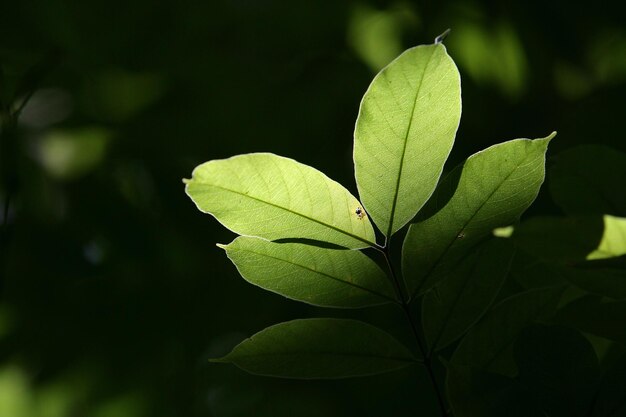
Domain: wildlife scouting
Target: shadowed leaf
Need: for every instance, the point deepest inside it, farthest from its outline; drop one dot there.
(488, 345)
(595, 315)
(320, 348)
(586, 180)
(452, 307)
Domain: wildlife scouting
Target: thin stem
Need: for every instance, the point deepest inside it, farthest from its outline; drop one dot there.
(407, 312)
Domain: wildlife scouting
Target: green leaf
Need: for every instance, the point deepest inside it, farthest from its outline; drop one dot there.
(560, 240)
(586, 180)
(320, 348)
(530, 272)
(491, 189)
(272, 197)
(404, 133)
(595, 315)
(318, 276)
(488, 345)
(452, 307)
(602, 277)
(613, 242)
(606, 277)
(588, 251)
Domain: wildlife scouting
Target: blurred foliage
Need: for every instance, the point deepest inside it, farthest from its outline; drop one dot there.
(71, 153)
(376, 34)
(112, 294)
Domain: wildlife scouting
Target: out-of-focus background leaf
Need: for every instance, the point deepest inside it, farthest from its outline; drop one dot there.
(113, 293)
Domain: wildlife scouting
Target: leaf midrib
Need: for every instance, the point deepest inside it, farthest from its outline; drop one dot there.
(321, 273)
(455, 302)
(406, 139)
(458, 298)
(361, 239)
(452, 241)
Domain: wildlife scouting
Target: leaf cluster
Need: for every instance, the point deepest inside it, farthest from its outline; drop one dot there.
(506, 307)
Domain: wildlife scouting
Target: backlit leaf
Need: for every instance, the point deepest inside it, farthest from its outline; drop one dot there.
(405, 130)
(491, 189)
(273, 197)
(319, 276)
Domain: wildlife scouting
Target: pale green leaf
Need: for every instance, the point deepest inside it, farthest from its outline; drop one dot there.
(320, 348)
(273, 197)
(491, 189)
(453, 306)
(613, 242)
(404, 132)
(315, 275)
(488, 345)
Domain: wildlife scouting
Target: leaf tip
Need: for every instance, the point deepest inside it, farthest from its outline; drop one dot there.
(221, 246)
(544, 142)
(186, 181)
(551, 136)
(223, 359)
(439, 39)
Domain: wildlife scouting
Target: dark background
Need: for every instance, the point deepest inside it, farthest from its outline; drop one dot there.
(113, 293)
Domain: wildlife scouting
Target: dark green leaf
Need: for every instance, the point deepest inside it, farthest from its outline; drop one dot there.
(487, 346)
(320, 348)
(595, 315)
(453, 306)
(603, 279)
(530, 272)
(589, 179)
(587, 251)
(563, 240)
